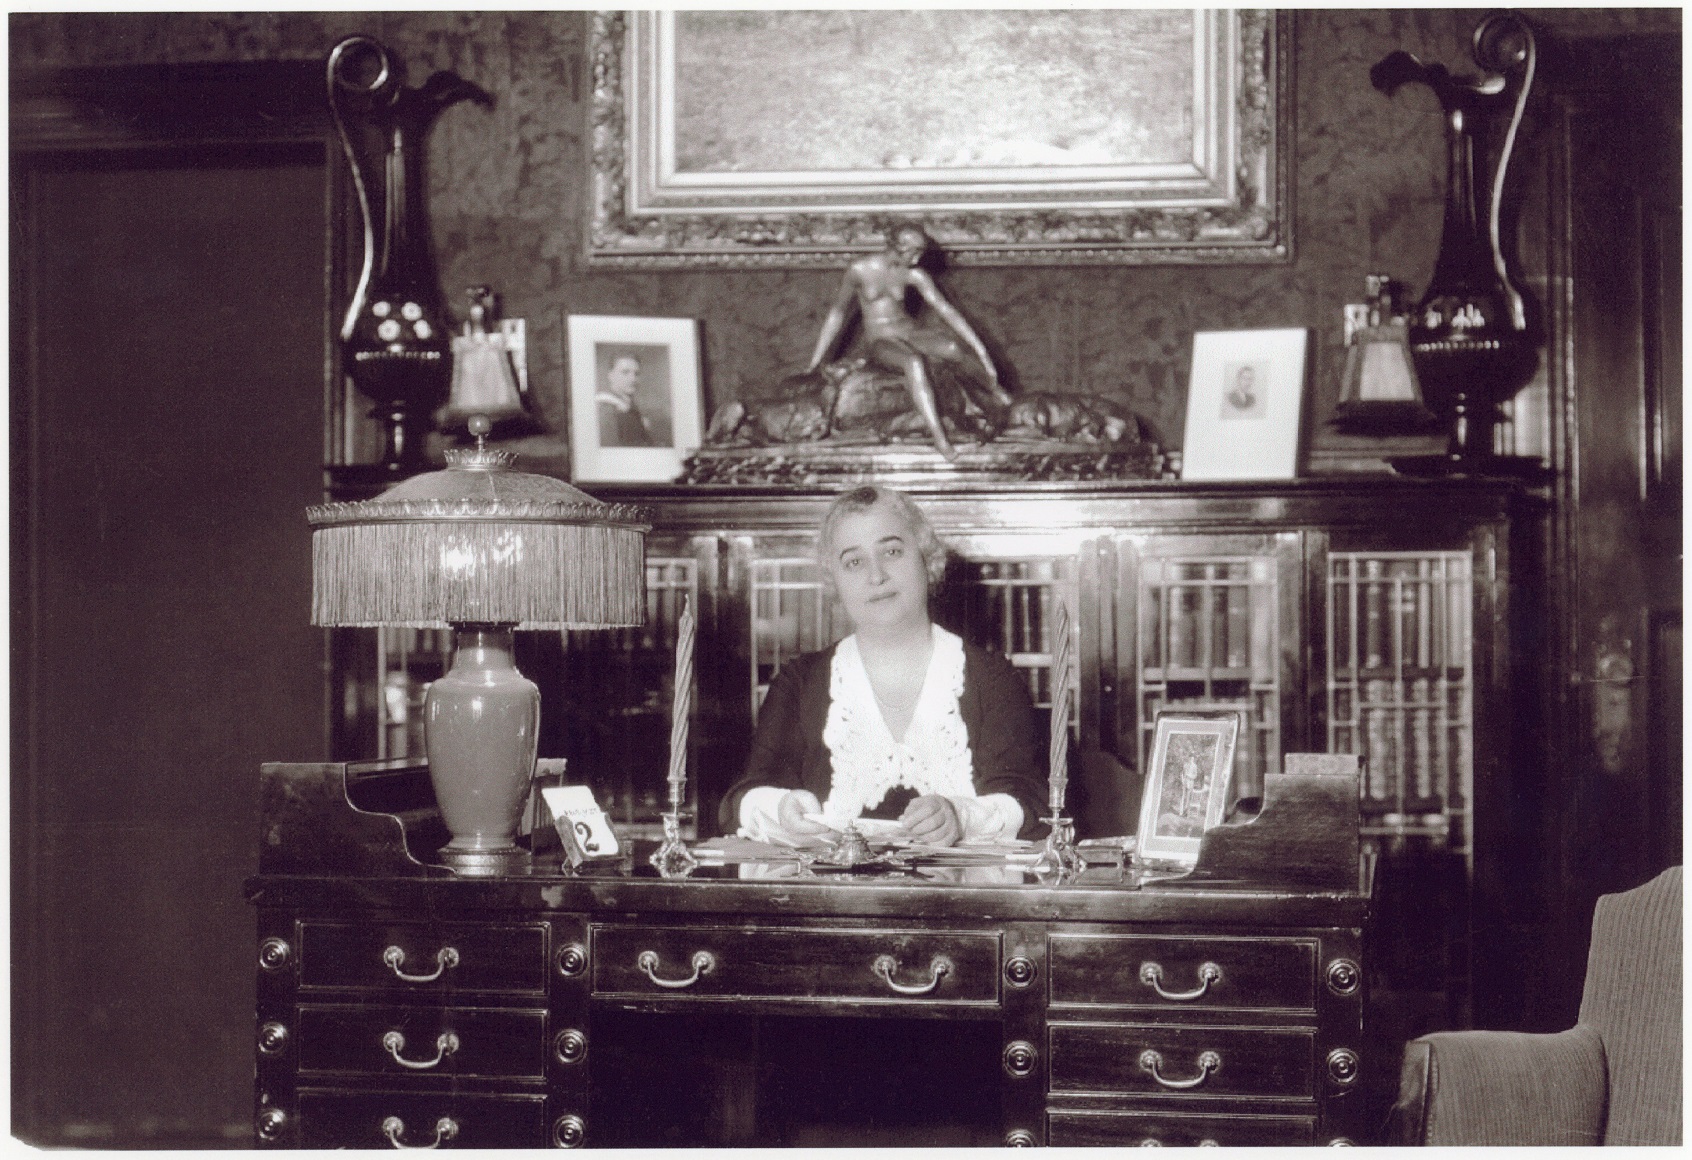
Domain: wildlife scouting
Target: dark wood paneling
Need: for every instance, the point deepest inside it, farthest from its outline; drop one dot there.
(169, 273)
(1612, 135)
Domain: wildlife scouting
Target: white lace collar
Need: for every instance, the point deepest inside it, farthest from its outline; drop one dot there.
(934, 757)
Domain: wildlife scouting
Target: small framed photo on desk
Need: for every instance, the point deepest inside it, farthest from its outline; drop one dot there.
(1187, 783)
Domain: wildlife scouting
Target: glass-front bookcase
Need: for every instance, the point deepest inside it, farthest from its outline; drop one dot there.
(1351, 616)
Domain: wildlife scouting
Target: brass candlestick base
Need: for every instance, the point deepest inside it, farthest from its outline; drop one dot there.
(673, 859)
(1059, 858)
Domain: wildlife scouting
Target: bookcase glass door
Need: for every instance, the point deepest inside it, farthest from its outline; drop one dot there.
(1004, 604)
(617, 687)
(605, 695)
(1401, 687)
(1211, 629)
(407, 659)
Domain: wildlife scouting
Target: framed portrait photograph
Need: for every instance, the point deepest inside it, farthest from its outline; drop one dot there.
(1187, 783)
(634, 397)
(1245, 405)
(1103, 135)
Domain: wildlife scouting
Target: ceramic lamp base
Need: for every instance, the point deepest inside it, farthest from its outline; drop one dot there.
(481, 724)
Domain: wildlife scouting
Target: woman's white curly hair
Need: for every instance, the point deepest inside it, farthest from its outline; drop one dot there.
(860, 499)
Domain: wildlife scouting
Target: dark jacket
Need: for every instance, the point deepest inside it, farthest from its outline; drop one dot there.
(619, 428)
(788, 749)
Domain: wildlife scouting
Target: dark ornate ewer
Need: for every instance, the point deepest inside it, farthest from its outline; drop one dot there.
(1469, 335)
(397, 336)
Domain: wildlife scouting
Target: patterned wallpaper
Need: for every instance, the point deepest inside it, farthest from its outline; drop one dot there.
(506, 201)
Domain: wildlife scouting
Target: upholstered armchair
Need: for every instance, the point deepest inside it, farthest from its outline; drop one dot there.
(1613, 1078)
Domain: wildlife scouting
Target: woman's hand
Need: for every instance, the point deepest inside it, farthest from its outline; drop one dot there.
(791, 810)
(932, 820)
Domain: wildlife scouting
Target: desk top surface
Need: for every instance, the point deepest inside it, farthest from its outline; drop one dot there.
(333, 839)
(773, 889)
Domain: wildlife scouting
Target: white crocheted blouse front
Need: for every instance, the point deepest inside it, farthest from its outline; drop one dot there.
(867, 761)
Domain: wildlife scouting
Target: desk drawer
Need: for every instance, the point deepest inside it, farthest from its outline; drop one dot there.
(896, 966)
(1157, 971)
(1182, 1061)
(1175, 1130)
(455, 1041)
(364, 1120)
(423, 957)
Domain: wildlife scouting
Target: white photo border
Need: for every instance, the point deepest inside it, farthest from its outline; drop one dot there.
(1258, 440)
(1224, 726)
(590, 461)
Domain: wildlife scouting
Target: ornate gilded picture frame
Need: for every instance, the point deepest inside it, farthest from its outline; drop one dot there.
(1017, 137)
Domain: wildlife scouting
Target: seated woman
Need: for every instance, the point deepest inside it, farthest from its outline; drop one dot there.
(901, 719)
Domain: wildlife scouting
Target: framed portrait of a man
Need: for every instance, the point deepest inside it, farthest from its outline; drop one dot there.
(1245, 405)
(634, 397)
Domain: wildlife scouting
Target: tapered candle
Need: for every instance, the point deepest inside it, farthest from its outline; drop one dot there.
(681, 702)
(1062, 695)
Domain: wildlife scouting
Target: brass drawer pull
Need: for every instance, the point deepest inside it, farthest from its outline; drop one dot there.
(445, 1044)
(1208, 1061)
(445, 1129)
(445, 959)
(1152, 976)
(703, 963)
(938, 968)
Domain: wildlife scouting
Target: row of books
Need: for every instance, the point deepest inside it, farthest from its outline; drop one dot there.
(1399, 613)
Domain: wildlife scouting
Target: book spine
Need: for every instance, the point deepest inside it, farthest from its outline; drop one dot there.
(1374, 616)
(1383, 765)
(1421, 739)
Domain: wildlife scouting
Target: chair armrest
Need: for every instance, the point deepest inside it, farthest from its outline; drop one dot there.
(1502, 1088)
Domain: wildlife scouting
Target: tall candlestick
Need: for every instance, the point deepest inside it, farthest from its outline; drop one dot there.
(681, 702)
(1061, 698)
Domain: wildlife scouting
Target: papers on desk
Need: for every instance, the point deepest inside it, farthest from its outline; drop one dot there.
(1016, 851)
(736, 849)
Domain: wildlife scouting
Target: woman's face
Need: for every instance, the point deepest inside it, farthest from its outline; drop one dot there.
(878, 569)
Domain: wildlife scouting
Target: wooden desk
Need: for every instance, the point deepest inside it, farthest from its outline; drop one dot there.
(400, 1005)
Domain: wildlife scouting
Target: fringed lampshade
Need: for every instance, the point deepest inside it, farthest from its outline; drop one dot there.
(484, 550)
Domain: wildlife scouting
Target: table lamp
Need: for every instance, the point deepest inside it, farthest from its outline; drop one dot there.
(484, 550)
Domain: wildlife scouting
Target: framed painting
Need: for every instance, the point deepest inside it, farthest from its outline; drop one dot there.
(1187, 783)
(634, 397)
(1245, 403)
(1014, 136)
